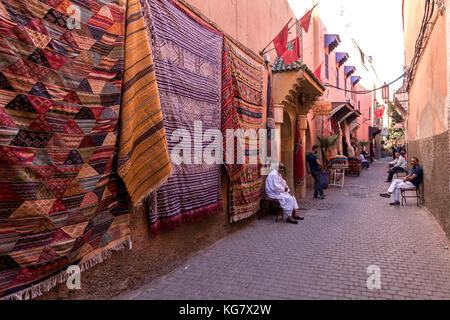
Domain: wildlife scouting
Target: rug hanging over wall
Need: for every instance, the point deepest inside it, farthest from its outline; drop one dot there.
(144, 162)
(187, 58)
(60, 92)
(242, 107)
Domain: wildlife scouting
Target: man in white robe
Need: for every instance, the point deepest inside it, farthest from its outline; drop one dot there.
(277, 189)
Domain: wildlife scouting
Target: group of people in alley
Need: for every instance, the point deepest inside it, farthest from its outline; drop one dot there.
(277, 188)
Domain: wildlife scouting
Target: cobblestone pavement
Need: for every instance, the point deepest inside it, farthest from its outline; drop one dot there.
(326, 256)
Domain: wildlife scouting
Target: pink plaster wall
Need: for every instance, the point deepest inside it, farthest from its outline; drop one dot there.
(365, 102)
(428, 112)
(254, 23)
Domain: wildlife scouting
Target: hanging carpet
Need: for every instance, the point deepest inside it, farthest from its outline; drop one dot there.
(242, 107)
(144, 162)
(61, 202)
(187, 57)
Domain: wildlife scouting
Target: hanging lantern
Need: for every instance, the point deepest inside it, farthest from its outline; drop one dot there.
(385, 92)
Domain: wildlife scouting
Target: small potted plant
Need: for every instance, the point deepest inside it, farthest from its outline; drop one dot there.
(325, 143)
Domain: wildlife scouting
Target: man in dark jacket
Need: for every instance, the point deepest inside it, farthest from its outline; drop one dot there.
(315, 168)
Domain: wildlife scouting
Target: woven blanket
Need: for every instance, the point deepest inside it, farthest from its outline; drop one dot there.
(60, 91)
(187, 58)
(242, 104)
(144, 162)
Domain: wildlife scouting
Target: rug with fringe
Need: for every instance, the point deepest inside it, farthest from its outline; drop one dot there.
(242, 107)
(144, 162)
(187, 57)
(61, 202)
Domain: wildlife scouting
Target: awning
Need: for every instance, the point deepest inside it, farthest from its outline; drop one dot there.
(331, 42)
(344, 111)
(337, 110)
(348, 71)
(373, 132)
(355, 79)
(345, 117)
(295, 85)
(341, 58)
(354, 125)
(353, 116)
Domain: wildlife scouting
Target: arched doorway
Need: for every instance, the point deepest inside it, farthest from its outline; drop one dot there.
(287, 148)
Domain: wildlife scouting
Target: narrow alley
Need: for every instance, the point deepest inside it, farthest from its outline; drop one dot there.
(326, 256)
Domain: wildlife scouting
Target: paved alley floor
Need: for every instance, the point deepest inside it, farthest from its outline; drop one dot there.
(326, 256)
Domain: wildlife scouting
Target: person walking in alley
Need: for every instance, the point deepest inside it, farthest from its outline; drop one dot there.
(315, 168)
(398, 165)
(277, 189)
(414, 180)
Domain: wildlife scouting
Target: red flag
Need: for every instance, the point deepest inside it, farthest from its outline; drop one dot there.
(292, 52)
(318, 72)
(306, 19)
(379, 113)
(280, 41)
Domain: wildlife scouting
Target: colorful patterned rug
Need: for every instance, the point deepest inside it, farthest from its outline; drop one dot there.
(60, 92)
(187, 58)
(242, 107)
(144, 162)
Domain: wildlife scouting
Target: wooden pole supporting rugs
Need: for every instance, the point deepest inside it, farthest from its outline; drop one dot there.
(61, 201)
(242, 107)
(187, 58)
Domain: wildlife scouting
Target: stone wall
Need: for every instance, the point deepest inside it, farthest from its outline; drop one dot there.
(433, 154)
(150, 257)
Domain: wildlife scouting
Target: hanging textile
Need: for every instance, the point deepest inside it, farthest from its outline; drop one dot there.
(299, 157)
(61, 202)
(144, 162)
(187, 58)
(242, 109)
(270, 121)
(346, 132)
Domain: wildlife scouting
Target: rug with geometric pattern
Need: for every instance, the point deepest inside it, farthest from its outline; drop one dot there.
(61, 201)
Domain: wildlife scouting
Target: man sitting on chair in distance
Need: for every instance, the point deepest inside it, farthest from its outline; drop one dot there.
(412, 181)
(277, 189)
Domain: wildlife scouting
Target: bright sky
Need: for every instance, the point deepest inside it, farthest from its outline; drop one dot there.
(377, 28)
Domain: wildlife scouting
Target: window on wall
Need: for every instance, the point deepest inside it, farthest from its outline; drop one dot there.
(345, 86)
(327, 74)
(359, 106)
(337, 77)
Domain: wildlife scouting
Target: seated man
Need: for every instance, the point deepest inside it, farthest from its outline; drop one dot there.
(277, 189)
(364, 162)
(398, 165)
(414, 180)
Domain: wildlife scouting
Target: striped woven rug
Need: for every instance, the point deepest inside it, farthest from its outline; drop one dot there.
(60, 90)
(144, 162)
(187, 58)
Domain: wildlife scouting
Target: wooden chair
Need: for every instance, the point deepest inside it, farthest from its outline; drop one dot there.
(416, 193)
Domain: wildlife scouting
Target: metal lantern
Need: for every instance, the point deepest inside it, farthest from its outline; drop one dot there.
(385, 92)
